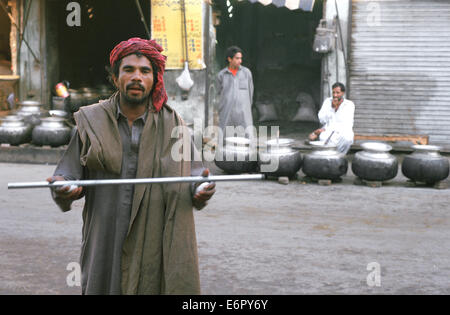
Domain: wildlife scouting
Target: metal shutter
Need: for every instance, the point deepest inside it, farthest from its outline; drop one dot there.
(400, 68)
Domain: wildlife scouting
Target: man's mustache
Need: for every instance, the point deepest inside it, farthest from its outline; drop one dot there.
(135, 86)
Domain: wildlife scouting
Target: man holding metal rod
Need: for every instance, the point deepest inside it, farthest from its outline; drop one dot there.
(137, 239)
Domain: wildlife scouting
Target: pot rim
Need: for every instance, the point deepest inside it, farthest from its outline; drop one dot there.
(53, 119)
(237, 141)
(426, 147)
(29, 103)
(12, 118)
(376, 146)
(321, 144)
(282, 142)
(58, 113)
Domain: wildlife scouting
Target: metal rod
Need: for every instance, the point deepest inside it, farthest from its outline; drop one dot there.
(160, 180)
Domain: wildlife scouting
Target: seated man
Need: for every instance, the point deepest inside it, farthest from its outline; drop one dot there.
(336, 117)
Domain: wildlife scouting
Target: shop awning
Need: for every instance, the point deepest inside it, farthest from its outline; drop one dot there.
(305, 5)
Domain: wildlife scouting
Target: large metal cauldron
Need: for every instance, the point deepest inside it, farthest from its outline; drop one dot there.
(14, 131)
(52, 131)
(425, 164)
(76, 100)
(374, 162)
(278, 158)
(324, 162)
(237, 156)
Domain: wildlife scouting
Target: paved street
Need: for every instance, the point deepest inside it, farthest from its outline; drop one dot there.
(256, 238)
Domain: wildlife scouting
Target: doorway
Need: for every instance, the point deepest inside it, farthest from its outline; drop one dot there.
(80, 54)
(277, 48)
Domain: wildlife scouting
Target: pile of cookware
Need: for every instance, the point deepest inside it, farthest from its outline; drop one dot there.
(374, 163)
(86, 96)
(32, 123)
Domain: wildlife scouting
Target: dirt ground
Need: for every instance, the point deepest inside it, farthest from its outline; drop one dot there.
(256, 238)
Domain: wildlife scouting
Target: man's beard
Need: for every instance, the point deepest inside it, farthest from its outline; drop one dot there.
(135, 101)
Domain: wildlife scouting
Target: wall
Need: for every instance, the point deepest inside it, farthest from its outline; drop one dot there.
(194, 106)
(32, 68)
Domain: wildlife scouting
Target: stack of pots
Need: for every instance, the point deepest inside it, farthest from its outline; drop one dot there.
(278, 158)
(237, 156)
(374, 163)
(425, 165)
(324, 162)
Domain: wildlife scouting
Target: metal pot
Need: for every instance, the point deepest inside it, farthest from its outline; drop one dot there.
(237, 156)
(104, 91)
(278, 158)
(31, 111)
(76, 100)
(52, 131)
(425, 164)
(14, 130)
(90, 95)
(375, 163)
(59, 103)
(324, 162)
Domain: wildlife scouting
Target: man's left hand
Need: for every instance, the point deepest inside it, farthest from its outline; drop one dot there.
(201, 197)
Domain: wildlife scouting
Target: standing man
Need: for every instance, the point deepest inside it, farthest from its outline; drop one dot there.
(136, 239)
(235, 87)
(336, 117)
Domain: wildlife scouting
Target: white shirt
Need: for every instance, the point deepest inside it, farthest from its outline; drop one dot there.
(340, 121)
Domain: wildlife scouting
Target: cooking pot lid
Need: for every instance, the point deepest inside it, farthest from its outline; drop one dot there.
(237, 140)
(280, 142)
(321, 144)
(30, 103)
(376, 146)
(426, 147)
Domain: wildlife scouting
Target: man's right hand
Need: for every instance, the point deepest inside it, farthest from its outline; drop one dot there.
(315, 134)
(63, 191)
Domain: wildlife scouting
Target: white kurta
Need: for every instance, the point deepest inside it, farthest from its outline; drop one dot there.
(340, 122)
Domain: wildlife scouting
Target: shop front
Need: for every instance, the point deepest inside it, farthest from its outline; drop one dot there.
(277, 42)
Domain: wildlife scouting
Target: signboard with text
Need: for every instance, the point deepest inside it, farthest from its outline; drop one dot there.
(168, 30)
